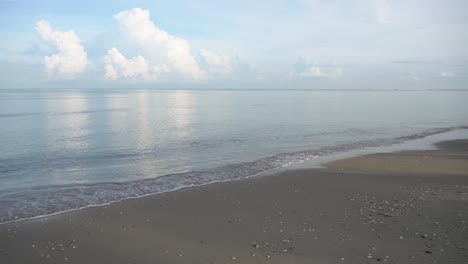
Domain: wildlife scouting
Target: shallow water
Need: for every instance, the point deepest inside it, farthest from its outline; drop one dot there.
(62, 150)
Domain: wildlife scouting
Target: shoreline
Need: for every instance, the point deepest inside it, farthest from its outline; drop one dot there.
(347, 212)
(425, 141)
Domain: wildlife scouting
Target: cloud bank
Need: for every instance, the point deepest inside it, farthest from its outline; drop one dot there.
(368, 40)
(71, 58)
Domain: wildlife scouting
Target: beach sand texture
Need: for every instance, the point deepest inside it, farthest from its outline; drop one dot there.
(407, 207)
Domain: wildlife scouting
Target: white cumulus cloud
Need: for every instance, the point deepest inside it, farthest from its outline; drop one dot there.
(315, 71)
(447, 74)
(71, 58)
(217, 64)
(166, 52)
(117, 66)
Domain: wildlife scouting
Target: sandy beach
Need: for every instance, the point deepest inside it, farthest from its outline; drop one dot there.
(406, 207)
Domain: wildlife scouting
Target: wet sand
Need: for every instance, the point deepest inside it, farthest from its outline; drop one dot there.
(407, 207)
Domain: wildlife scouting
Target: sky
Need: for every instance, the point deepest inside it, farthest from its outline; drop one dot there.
(304, 44)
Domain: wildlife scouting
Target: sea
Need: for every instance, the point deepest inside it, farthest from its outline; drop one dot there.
(68, 149)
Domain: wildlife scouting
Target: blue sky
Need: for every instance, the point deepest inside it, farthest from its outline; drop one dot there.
(316, 44)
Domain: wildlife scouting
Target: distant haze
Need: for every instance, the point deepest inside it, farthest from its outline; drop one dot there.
(307, 44)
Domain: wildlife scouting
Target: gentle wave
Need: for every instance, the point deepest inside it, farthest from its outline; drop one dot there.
(10, 115)
(20, 114)
(42, 202)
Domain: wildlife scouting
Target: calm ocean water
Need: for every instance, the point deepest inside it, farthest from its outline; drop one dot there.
(63, 150)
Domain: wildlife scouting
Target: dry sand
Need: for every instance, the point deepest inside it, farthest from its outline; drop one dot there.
(409, 207)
